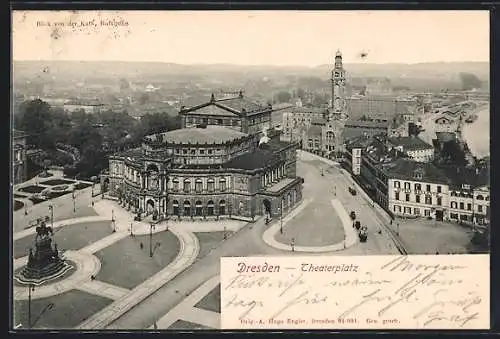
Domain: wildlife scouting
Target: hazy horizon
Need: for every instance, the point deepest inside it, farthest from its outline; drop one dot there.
(253, 38)
(247, 65)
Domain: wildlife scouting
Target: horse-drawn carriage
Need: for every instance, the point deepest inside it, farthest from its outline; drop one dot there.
(357, 225)
(353, 215)
(363, 234)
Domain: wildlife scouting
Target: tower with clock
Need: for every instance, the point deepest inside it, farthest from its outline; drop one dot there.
(338, 104)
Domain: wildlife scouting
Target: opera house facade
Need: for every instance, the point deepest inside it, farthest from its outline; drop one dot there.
(225, 162)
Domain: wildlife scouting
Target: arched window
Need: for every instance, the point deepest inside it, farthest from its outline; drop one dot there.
(187, 185)
(175, 206)
(198, 185)
(222, 207)
(453, 204)
(187, 208)
(211, 185)
(199, 208)
(222, 184)
(175, 185)
(210, 207)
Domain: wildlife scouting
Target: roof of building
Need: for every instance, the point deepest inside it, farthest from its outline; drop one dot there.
(406, 169)
(210, 134)
(281, 106)
(459, 176)
(313, 110)
(411, 143)
(376, 123)
(259, 158)
(215, 110)
(131, 153)
(445, 136)
(236, 105)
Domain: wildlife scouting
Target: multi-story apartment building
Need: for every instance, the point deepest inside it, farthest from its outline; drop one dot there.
(417, 189)
(367, 158)
(380, 106)
(413, 147)
(405, 187)
(469, 194)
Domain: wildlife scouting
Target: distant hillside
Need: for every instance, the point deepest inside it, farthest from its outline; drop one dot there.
(151, 71)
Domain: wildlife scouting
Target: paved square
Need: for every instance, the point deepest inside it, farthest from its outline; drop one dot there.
(209, 241)
(125, 264)
(71, 237)
(442, 237)
(69, 310)
(316, 225)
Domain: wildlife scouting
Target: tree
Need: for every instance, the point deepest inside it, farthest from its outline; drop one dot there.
(144, 98)
(283, 96)
(469, 81)
(35, 119)
(453, 154)
(124, 84)
(301, 93)
(60, 125)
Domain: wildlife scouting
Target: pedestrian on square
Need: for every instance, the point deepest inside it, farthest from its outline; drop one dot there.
(141, 245)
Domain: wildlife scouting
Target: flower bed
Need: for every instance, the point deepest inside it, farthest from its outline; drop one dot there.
(55, 182)
(53, 195)
(81, 185)
(18, 205)
(32, 189)
(36, 200)
(59, 188)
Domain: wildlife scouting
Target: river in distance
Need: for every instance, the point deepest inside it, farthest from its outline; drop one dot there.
(477, 134)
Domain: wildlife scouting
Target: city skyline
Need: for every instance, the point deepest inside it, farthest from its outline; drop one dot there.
(256, 37)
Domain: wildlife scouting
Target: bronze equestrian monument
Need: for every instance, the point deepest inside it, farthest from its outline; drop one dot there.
(45, 263)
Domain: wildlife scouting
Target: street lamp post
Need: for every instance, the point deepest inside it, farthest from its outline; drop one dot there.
(151, 227)
(31, 287)
(397, 230)
(281, 219)
(131, 232)
(74, 200)
(113, 220)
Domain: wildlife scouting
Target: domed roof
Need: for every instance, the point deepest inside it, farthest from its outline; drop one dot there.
(338, 54)
(201, 135)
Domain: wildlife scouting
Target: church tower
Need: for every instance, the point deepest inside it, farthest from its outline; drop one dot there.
(338, 102)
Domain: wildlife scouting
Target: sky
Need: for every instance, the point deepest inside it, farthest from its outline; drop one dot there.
(285, 38)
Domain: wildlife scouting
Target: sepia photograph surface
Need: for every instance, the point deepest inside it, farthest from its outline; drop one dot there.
(153, 151)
